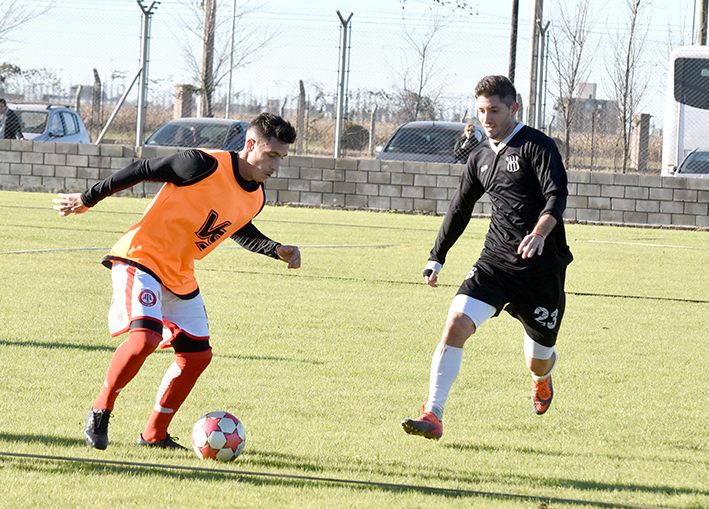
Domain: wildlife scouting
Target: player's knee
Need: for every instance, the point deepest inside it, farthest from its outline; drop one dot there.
(459, 327)
(194, 362)
(144, 340)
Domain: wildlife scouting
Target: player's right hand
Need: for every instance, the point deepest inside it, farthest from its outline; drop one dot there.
(290, 255)
(69, 204)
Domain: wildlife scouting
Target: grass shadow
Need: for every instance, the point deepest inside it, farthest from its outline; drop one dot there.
(95, 348)
(56, 465)
(44, 440)
(575, 483)
(272, 358)
(55, 345)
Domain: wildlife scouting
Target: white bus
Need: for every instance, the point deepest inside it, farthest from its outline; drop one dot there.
(686, 123)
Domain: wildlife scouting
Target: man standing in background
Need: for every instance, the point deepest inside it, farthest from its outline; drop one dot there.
(10, 125)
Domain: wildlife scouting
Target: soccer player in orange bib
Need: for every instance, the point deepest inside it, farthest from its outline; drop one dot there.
(207, 197)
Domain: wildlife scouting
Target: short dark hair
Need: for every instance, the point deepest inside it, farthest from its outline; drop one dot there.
(500, 86)
(269, 125)
(2, 101)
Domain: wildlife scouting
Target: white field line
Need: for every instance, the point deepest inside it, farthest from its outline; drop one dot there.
(331, 246)
(635, 244)
(56, 250)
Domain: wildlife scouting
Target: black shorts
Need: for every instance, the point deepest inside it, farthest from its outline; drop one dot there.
(536, 300)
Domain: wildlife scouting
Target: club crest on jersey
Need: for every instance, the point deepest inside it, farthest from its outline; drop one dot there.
(513, 163)
(147, 298)
(210, 231)
(484, 168)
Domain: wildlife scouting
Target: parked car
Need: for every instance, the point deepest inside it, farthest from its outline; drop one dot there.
(696, 164)
(51, 122)
(194, 132)
(431, 142)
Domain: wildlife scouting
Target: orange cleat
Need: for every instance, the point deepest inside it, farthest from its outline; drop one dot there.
(426, 425)
(542, 394)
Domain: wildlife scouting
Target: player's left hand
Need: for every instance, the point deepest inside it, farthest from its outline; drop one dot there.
(290, 254)
(531, 244)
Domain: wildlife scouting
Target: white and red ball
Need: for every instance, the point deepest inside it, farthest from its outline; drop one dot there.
(219, 436)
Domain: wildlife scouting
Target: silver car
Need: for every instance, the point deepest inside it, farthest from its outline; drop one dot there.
(195, 132)
(696, 164)
(51, 122)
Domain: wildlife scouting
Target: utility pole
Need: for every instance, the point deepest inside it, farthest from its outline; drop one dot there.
(534, 63)
(703, 23)
(231, 60)
(513, 41)
(341, 79)
(143, 88)
(206, 73)
(539, 118)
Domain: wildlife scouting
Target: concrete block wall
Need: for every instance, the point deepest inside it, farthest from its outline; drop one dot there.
(67, 167)
(638, 199)
(594, 197)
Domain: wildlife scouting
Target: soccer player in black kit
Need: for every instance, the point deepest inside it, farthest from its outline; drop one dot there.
(523, 262)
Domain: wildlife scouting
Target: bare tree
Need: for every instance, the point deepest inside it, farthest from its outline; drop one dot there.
(680, 34)
(569, 59)
(456, 4)
(629, 82)
(249, 41)
(206, 71)
(15, 13)
(415, 92)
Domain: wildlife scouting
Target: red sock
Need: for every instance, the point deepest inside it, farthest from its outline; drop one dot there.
(125, 364)
(176, 385)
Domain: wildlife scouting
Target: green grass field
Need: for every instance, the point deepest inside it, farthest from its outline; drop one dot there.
(322, 363)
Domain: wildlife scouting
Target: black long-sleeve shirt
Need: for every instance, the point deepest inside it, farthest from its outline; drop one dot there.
(461, 152)
(182, 169)
(525, 180)
(13, 125)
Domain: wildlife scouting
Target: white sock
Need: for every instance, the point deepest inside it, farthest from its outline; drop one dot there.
(444, 370)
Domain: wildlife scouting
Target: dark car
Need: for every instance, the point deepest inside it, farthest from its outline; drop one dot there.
(51, 122)
(696, 164)
(192, 132)
(430, 142)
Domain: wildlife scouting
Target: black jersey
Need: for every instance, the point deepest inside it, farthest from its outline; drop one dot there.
(182, 169)
(525, 179)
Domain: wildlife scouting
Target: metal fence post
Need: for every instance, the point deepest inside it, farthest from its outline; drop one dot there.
(341, 83)
(143, 88)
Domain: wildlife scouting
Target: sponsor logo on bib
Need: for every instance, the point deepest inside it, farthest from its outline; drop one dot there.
(211, 231)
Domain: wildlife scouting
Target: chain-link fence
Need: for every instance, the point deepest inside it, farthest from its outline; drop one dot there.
(401, 65)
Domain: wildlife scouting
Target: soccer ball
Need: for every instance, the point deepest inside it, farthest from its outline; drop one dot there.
(219, 436)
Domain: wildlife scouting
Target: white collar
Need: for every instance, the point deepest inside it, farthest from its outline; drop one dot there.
(498, 147)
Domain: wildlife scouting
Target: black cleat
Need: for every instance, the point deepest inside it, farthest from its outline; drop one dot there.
(165, 443)
(96, 430)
